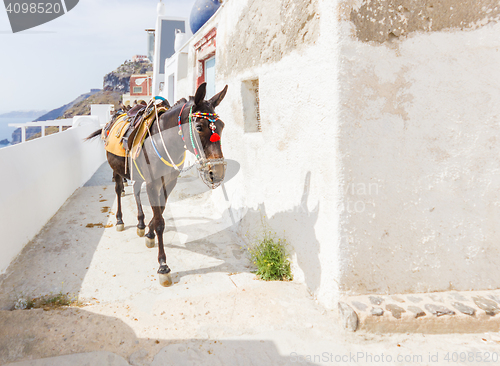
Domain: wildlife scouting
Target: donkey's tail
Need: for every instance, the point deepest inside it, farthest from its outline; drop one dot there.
(94, 134)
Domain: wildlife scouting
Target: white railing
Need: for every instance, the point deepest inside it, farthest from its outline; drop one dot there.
(53, 123)
(102, 112)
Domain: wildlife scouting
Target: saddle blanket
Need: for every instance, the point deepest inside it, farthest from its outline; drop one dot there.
(113, 138)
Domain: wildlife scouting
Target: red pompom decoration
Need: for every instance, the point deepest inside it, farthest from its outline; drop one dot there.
(215, 137)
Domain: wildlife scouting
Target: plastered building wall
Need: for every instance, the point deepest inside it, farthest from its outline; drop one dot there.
(419, 146)
(377, 158)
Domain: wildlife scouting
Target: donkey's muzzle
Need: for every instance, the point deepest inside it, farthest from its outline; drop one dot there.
(212, 172)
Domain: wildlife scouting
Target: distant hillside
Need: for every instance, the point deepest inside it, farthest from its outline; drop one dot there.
(82, 108)
(115, 84)
(78, 107)
(58, 112)
(23, 114)
(119, 80)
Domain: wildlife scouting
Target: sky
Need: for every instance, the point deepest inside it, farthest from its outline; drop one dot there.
(50, 65)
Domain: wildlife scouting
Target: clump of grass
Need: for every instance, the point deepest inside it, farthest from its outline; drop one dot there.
(270, 255)
(46, 302)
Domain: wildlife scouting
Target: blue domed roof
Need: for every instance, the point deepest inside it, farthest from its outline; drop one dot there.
(201, 12)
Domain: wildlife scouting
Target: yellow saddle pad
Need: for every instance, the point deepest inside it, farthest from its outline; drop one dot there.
(112, 142)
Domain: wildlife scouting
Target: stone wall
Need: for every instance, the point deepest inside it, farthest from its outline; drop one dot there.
(381, 21)
(419, 145)
(267, 31)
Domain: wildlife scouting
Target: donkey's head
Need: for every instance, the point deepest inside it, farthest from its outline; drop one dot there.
(206, 127)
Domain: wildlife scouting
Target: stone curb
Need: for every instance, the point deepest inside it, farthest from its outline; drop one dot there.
(437, 312)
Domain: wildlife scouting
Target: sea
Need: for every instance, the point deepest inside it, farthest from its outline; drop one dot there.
(6, 131)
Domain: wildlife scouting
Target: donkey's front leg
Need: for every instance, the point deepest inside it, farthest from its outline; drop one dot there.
(165, 191)
(158, 223)
(120, 226)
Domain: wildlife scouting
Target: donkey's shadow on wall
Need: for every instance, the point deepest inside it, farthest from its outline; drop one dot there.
(296, 225)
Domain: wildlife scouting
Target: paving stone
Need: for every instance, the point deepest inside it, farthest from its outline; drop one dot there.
(359, 305)
(464, 308)
(348, 316)
(375, 300)
(417, 311)
(377, 311)
(457, 296)
(439, 310)
(437, 298)
(395, 310)
(490, 307)
(414, 299)
(398, 299)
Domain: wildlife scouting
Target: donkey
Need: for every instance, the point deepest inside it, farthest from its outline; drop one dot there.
(190, 125)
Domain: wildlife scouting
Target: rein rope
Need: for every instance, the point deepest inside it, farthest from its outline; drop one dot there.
(171, 163)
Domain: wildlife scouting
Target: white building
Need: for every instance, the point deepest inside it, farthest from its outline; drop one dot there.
(366, 132)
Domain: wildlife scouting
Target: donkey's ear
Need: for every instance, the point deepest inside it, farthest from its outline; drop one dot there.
(217, 98)
(200, 94)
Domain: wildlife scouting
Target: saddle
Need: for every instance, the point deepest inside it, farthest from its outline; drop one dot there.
(126, 132)
(135, 109)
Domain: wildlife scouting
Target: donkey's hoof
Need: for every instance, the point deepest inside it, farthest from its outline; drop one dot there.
(150, 243)
(165, 279)
(141, 232)
(120, 227)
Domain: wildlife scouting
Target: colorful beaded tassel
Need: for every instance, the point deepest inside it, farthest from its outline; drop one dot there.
(211, 118)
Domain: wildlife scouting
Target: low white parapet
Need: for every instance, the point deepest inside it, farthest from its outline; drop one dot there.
(38, 176)
(101, 112)
(52, 123)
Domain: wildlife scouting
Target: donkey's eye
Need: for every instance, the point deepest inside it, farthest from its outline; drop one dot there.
(199, 128)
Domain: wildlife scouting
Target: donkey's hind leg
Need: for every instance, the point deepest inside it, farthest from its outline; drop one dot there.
(140, 213)
(120, 226)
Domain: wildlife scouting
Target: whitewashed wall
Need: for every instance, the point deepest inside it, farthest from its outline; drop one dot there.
(38, 176)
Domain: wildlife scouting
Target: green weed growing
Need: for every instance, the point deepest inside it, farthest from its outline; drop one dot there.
(46, 302)
(270, 256)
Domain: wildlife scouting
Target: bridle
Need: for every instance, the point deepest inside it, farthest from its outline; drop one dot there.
(205, 165)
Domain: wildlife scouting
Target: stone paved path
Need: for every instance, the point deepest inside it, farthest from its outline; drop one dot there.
(216, 313)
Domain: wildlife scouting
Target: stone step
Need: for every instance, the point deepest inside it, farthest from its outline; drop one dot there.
(436, 312)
